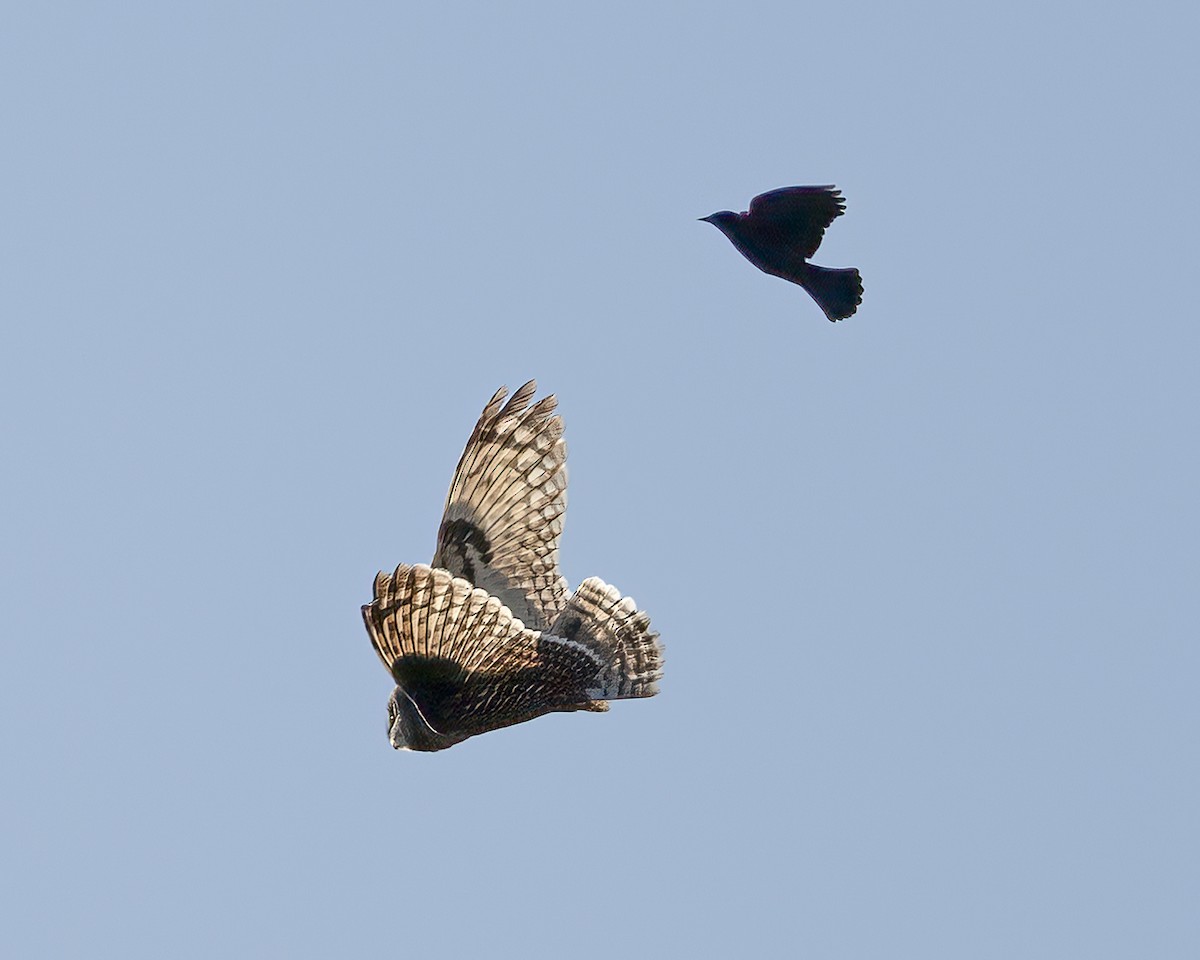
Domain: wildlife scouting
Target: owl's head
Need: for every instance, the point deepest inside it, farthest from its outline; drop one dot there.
(409, 730)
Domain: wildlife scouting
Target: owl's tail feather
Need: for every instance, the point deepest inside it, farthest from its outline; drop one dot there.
(617, 635)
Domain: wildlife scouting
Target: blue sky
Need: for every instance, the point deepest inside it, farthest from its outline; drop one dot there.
(926, 578)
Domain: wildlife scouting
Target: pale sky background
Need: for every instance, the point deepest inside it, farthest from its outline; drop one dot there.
(926, 578)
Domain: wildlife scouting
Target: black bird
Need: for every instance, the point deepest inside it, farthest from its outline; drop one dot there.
(782, 230)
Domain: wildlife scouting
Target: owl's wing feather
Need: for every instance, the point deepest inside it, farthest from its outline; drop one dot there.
(472, 666)
(628, 652)
(423, 612)
(504, 512)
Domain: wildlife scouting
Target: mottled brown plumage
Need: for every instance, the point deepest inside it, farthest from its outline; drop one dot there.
(488, 637)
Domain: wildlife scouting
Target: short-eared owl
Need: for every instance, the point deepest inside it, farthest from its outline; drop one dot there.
(489, 636)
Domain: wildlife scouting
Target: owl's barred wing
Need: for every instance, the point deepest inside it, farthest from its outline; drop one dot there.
(470, 666)
(617, 634)
(504, 513)
(426, 613)
(796, 217)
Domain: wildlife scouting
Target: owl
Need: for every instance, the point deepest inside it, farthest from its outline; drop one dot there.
(489, 635)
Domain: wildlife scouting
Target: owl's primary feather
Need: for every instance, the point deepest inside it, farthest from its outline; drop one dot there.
(487, 637)
(504, 513)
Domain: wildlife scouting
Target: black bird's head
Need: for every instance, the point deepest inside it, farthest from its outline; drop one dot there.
(723, 221)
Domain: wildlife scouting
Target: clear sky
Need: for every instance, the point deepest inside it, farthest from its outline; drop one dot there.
(926, 578)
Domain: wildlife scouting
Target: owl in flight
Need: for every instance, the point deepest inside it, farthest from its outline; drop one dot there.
(781, 230)
(489, 636)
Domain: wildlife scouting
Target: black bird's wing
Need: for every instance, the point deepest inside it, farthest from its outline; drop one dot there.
(795, 218)
(504, 512)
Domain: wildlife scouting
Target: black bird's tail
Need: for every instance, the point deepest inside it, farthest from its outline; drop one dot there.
(837, 291)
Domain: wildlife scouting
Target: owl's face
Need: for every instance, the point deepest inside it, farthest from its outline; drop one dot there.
(409, 730)
(395, 730)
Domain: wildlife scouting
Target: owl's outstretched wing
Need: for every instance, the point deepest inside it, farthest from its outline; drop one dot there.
(423, 613)
(504, 513)
(471, 667)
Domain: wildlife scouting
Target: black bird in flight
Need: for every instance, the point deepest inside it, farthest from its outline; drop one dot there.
(782, 229)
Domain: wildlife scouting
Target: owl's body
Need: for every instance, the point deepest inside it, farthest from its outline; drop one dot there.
(489, 636)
